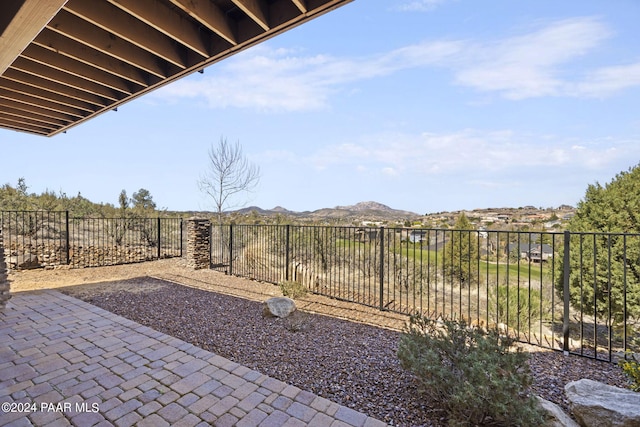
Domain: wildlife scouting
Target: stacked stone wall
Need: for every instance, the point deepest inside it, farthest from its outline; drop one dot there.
(54, 255)
(198, 243)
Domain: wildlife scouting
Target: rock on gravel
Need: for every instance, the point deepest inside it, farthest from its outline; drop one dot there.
(279, 307)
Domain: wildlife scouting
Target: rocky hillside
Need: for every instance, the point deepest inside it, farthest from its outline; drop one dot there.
(363, 211)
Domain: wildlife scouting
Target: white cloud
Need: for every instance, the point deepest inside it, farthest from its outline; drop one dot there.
(279, 80)
(530, 65)
(419, 5)
(263, 79)
(539, 63)
(389, 171)
(608, 80)
(535, 64)
(471, 153)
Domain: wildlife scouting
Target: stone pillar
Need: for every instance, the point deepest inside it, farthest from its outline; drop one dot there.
(5, 294)
(198, 243)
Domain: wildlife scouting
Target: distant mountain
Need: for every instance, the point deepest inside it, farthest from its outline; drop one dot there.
(366, 206)
(256, 209)
(281, 210)
(371, 211)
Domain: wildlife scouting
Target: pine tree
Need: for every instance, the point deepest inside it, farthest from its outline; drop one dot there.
(603, 267)
(461, 253)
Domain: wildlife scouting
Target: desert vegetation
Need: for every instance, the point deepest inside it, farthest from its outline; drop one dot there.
(477, 376)
(49, 229)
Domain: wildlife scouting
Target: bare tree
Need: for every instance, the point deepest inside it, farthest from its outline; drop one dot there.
(228, 173)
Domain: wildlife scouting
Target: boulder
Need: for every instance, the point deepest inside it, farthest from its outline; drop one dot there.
(279, 306)
(598, 405)
(24, 262)
(554, 415)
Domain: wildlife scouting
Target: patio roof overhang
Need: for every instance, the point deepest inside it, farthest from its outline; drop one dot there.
(66, 61)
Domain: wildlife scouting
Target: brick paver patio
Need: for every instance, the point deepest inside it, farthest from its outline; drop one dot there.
(65, 362)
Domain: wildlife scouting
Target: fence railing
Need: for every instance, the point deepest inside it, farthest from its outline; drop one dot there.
(575, 292)
(49, 239)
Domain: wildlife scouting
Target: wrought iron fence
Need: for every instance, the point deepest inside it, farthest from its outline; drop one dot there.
(48, 239)
(575, 292)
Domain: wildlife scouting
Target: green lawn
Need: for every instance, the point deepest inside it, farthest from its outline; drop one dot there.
(414, 253)
(524, 268)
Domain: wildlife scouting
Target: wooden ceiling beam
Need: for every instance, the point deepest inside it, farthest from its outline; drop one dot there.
(26, 23)
(57, 76)
(45, 95)
(33, 116)
(32, 109)
(168, 21)
(21, 120)
(125, 26)
(210, 16)
(57, 88)
(301, 5)
(47, 105)
(89, 35)
(75, 68)
(25, 128)
(89, 56)
(257, 10)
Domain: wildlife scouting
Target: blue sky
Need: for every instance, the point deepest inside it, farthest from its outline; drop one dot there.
(423, 105)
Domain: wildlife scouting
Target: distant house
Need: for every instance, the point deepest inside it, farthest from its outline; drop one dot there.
(366, 234)
(552, 224)
(418, 236)
(533, 252)
(490, 217)
(372, 223)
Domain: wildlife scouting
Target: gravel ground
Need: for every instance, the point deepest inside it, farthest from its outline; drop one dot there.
(353, 364)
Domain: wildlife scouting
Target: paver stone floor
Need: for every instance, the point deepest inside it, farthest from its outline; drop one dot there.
(66, 362)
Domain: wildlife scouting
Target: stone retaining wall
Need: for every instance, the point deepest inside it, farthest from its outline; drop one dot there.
(54, 255)
(198, 243)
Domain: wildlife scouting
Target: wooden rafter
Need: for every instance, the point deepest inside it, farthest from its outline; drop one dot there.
(54, 87)
(89, 56)
(28, 21)
(85, 33)
(209, 15)
(166, 20)
(116, 21)
(257, 10)
(56, 76)
(46, 95)
(65, 61)
(76, 68)
(47, 105)
(301, 4)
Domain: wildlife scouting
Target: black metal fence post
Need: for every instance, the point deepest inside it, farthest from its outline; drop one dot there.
(67, 249)
(287, 256)
(230, 249)
(159, 251)
(566, 270)
(382, 268)
(211, 235)
(182, 237)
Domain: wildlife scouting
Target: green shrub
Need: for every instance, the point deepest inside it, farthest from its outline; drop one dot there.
(293, 289)
(631, 368)
(476, 376)
(298, 321)
(519, 308)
